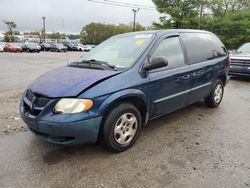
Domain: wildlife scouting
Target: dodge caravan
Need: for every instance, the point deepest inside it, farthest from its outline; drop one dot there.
(111, 92)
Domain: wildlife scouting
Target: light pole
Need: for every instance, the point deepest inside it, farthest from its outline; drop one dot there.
(135, 11)
(43, 32)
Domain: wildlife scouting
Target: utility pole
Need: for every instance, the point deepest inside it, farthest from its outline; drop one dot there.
(43, 31)
(135, 11)
(201, 13)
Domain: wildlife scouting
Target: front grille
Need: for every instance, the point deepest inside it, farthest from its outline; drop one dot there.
(240, 62)
(34, 104)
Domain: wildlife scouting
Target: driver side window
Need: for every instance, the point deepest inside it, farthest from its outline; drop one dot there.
(171, 50)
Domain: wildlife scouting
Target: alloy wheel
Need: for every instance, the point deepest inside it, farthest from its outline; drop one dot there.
(125, 128)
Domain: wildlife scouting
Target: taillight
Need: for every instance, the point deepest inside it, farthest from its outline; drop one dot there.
(229, 61)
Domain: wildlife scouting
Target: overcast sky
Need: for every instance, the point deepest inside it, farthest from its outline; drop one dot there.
(73, 13)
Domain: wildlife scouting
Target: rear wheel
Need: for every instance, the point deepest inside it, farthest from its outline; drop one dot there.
(216, 95)
(121, 127)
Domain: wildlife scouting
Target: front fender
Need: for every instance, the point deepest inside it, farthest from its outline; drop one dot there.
(122, 95)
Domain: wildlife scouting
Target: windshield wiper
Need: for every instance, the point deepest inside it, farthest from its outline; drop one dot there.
(93, 61)
(97, 62)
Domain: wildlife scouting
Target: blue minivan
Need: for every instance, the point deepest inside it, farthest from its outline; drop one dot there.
(111, 92)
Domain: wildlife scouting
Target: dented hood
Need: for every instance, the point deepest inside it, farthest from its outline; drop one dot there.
(68, 81)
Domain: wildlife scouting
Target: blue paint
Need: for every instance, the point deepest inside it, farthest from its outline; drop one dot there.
(162, 91)
(68, 81)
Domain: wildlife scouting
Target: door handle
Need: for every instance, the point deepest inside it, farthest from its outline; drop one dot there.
(185, 77)
(196, 74)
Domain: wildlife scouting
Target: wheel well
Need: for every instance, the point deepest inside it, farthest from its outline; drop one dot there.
(223, 79)
(138, 102)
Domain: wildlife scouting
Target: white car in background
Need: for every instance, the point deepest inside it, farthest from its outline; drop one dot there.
(88, 48)
(80, 47)
(1, 47)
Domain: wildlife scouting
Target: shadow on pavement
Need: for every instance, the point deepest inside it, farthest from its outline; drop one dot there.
(240, 78)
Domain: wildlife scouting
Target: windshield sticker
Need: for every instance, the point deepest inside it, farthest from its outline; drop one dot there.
(139, 42)
(143, 36)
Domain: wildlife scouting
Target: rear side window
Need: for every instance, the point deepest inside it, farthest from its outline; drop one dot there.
(198, 47)
(171, 50)
(219, 49)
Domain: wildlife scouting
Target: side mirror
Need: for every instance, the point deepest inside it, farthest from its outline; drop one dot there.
(157, 62)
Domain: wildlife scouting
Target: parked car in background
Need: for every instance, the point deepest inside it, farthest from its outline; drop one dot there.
(70, 46)
(240, 61)
(31, 47)
(88, 48)
(12, 47)
(45, 46)
(129, 79)
(80, 47)
(1, 47)
(58, 47)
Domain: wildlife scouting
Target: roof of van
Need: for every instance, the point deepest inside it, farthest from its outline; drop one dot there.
(166, 31)
(174, 31)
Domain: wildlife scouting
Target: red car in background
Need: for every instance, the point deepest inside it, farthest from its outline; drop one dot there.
(12, 47)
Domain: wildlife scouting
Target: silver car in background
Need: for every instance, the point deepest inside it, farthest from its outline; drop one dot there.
(240, 61)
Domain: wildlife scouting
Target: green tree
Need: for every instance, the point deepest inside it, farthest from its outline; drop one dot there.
(178, 13)
(233, 28)
(73, 36)
(221, 7)
(95, 33)
(55, 35)
(9, 35)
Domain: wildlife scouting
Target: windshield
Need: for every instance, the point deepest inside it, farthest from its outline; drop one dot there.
(119, 51)
(245, 48)
(15, 45)
(34, 45)
(60, 45)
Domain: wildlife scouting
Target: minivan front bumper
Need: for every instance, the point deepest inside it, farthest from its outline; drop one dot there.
(73, 133)
(239, 70)
(65, 132)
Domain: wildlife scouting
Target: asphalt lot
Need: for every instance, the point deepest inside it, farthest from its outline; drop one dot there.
(193, 147)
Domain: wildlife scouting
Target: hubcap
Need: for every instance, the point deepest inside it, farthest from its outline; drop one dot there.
(125, 128)
(218, 93)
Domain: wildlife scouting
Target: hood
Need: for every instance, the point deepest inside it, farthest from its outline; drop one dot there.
(240, 56)
(68, 81)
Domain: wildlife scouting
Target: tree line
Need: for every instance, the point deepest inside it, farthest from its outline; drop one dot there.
(229, 19)
(94, 33)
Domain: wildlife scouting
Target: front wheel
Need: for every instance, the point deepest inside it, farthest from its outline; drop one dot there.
(216, 95)
(121, 127)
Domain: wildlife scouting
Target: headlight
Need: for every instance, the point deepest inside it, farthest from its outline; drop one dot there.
(70, 106)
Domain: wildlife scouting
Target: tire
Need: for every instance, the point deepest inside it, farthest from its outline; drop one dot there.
(215, 97)
(116, 127)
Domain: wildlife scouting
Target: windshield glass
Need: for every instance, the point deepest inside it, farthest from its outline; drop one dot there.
(60, 45)
(34, 45)
(120, 51)
(244, 49)
(15, 45)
